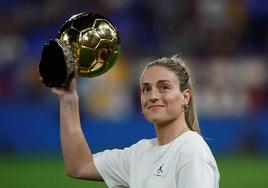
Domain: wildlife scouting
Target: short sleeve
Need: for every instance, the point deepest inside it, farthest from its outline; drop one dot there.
(198, 173)
(114, 167)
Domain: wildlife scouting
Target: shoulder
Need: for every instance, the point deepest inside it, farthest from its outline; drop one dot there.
(196, 166)
(194, 147)
(140, 146)
(143, 144)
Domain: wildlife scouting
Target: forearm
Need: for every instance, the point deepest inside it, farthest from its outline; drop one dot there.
(76, 152)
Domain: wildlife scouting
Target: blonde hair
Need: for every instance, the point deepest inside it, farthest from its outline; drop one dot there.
(177, 65)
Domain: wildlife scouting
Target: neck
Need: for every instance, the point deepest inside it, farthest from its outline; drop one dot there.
(168, 132)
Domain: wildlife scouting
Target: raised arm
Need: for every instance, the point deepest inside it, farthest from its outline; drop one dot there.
(77, 155)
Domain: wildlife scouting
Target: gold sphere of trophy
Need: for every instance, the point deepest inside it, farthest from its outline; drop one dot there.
(87, 43)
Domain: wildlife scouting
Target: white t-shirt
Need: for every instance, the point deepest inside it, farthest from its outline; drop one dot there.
(186, 162)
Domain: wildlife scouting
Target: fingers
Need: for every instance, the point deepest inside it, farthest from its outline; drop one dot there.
(54, 90)
(58, 91)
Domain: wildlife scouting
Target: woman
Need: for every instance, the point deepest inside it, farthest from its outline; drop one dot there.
(178, 157)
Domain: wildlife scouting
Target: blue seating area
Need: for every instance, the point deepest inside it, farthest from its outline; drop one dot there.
(28, 127)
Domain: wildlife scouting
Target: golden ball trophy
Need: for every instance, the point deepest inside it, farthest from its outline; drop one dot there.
(87, 44)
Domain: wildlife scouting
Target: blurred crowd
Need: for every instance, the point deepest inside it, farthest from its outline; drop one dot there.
(225, 43)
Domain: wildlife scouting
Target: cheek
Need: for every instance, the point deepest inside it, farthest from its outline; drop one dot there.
(142, 101)
(174, 101)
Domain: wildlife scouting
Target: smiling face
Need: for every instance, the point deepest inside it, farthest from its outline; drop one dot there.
(161, 98)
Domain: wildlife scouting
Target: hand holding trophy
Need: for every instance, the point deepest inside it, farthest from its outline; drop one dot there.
(87, 43)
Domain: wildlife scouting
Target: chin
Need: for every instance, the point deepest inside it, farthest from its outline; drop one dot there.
(156, 120)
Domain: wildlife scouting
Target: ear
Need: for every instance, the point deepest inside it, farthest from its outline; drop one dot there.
(186, 96)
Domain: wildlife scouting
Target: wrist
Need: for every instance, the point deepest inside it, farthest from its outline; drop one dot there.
(69, 97)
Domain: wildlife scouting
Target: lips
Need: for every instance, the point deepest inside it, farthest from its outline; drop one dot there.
(155, 106)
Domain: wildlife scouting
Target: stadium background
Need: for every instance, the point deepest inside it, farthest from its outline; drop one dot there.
(225, 43)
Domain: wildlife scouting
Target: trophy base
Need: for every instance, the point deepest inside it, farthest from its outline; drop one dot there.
(54, 68)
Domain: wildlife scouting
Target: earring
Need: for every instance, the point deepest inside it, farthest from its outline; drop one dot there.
(185, 108)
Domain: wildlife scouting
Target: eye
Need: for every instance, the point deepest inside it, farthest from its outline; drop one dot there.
(145, 90)
(164, 87)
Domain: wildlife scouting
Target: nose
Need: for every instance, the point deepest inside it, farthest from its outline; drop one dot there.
(153, 100)
(153, 97)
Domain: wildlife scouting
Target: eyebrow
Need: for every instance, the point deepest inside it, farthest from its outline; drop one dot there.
(158, 82)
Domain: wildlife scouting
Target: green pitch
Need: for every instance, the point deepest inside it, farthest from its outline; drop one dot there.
(44, 173)
(238, 172)
(245, 171)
